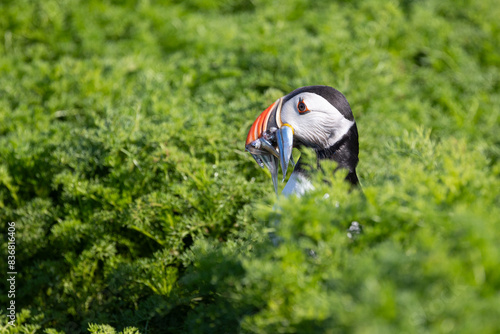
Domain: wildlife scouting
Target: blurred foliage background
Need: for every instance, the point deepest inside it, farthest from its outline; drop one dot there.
(122, 127)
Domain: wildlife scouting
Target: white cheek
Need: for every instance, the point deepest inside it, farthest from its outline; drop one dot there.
(323, 126)
(319, 128)
(339, 130)
(312, 128)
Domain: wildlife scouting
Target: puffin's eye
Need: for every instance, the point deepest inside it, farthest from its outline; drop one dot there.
(301, 107)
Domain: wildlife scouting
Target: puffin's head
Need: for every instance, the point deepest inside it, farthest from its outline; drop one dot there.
(318, 117)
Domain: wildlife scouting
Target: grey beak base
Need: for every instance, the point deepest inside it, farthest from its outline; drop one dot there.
(285, 146)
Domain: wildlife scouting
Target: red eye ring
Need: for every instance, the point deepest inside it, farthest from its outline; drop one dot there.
(301, 107)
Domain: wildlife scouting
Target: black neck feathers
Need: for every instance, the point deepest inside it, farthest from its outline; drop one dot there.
(344, 152)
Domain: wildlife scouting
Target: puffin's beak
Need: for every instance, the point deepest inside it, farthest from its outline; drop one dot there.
(269, 140)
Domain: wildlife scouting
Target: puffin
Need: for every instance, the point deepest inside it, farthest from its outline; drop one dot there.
(317, 118)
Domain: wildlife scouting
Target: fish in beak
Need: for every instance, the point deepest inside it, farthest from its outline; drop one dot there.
(269, 141)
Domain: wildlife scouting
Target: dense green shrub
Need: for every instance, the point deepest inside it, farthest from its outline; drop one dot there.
(122, 126)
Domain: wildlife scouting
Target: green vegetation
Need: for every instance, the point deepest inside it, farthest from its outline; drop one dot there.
(122, 128)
